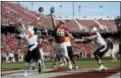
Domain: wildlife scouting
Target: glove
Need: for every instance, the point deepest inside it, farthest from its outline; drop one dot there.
(52, 10)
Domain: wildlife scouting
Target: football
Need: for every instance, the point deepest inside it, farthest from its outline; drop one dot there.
(41, 9)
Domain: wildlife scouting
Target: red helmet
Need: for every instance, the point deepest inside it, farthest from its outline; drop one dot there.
(62, 22)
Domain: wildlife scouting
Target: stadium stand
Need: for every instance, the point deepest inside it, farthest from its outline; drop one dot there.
(110, 24)
(87, 23)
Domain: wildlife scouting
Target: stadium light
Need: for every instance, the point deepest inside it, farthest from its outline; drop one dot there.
(18, 3)
(60, 10)
(79, 9)
(32, 5)
(101, 9)
(73, 9)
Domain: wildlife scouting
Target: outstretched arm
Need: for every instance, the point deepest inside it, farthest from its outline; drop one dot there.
(52, 17)
(70, 35)
(90, 37)
(79, 40)
(86, 39)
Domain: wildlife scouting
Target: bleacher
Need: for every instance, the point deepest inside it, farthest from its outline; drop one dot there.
(110, 24)
(87, 23)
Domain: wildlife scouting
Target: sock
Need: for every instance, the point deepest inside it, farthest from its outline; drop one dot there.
(100, 62)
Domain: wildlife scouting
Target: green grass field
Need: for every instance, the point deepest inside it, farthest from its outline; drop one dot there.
(82, 63)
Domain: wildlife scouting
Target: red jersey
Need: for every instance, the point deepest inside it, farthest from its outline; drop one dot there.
(60, 34)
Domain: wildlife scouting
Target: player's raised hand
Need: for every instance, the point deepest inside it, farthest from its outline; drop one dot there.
(52, 10)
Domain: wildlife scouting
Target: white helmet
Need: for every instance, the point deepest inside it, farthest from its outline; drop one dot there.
(94, 29)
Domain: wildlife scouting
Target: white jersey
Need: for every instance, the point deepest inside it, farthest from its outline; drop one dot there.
(11, 55)
(100, 41)
(30, 37)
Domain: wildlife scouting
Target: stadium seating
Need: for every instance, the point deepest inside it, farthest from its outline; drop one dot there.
(110, 24)
(19, 12)
(88, 23)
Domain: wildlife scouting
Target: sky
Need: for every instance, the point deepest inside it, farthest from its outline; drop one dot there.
(86, 8)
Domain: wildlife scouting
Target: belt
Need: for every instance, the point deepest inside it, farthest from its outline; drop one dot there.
(30, 45)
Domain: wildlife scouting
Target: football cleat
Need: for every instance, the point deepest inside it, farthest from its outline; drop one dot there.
(102, 68)
(76, 67)
(70, 67)
(25, 74)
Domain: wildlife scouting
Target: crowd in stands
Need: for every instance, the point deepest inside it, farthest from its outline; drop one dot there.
(9, 17)
(9, 47)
